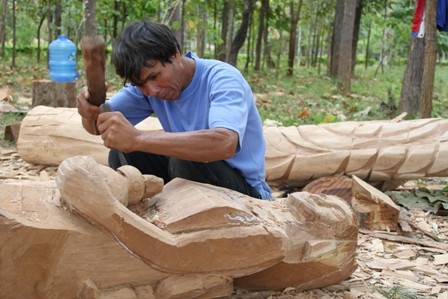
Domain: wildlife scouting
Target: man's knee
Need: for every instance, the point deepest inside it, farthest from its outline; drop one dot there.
(179, 168)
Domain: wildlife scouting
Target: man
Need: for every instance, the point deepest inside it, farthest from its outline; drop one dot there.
(212, 130)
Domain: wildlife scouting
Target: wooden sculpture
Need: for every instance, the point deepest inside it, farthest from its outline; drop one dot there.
(381, 153)
(75, 238)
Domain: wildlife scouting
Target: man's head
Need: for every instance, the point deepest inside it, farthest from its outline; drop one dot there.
(140, 43)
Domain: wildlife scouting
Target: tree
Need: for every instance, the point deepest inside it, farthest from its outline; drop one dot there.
(342, 43)
(225, 16)
(201, 29)
(418, 82)
(89, 17)
(3, 27)
(263, 15)
(14, 31)
(241, 34)
(176, 20)
(58, 17)
(295, 17)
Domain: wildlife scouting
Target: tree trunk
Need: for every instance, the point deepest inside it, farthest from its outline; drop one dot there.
(294, 155)
(383, 42)
(90, 18)
(221, 47)
(229, 25)
(249, 47)
(342, 43)
(429, 60)
(202, 29)
(190, 240)
(3, 28)
(261, 32)
(175, 21)
(115, 19)
(14, 31)
(58, 17)
(295, 17)
(358, 15)
(366, 55)
(418, 82)
(39, 28)
(315, 38)
(241, 34)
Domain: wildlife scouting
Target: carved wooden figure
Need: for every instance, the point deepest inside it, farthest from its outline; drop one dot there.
(382, 153)
(190, 240)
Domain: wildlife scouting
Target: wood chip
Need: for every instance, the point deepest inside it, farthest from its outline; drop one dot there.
(392, 264)
(441, 259)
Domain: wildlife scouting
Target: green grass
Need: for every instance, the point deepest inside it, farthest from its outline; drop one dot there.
(312, 98)
(307, 97)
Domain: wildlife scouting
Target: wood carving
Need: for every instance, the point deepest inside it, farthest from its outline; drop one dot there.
(382, 153)
(191, 240)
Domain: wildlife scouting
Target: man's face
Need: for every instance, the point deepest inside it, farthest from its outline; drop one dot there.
(161, 80)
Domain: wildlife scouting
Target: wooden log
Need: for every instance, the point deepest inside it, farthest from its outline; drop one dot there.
(50, 135)
(376, 210)
(378, 152)
(12, 132)
(191, 240)
(53, 94)
(339, 185)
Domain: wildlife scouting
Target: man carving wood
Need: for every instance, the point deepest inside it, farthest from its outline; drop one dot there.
(212, 130)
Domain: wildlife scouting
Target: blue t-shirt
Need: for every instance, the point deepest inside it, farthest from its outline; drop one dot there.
(217, 97)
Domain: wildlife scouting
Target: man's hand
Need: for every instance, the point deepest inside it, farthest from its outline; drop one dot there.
(116, 131)
(88, 111)
(85, 109)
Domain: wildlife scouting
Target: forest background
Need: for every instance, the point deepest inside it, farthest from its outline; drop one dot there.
(307, 61)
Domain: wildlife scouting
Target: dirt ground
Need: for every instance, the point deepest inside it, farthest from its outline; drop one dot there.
(415, 266)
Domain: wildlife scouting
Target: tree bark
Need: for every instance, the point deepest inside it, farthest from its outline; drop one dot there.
(229, 35)
(3, 27)
(342, 43)
(241, 34)
(202, 29)
(378, 152)
(357, 25)
(261, 30)
(429, 60)
(295, 17)
(39, 28)
(190, 240)
(411, 88)
(58, 17)
(418, 81)
(117, 5)
(90, 17)
(221, 47)
(14, 31)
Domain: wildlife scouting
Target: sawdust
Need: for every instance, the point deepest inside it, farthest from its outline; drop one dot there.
(386, 268)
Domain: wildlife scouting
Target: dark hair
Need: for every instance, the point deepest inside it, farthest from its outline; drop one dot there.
(139, 43)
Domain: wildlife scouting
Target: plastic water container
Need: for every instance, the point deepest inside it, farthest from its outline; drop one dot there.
(62, 62)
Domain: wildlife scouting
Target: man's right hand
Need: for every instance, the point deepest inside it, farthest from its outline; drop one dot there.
(88, 112)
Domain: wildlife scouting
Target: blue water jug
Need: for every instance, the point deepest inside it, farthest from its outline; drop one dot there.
(62, 62)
